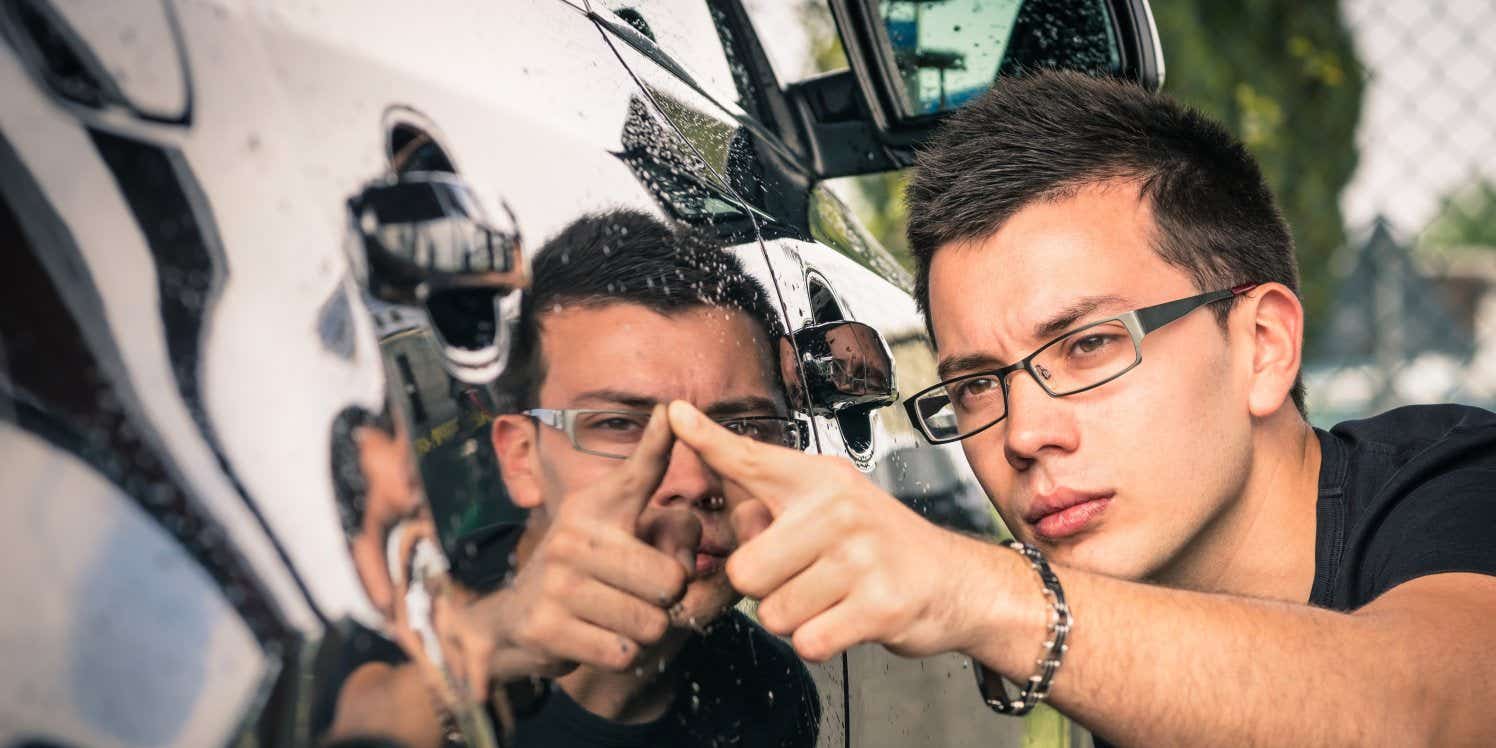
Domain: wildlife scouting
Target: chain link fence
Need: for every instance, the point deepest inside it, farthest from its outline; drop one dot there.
(1411, 315)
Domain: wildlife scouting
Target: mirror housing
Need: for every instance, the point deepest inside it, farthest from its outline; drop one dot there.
(419, 238)
(422, 233)
(864, 120)
(845, 365)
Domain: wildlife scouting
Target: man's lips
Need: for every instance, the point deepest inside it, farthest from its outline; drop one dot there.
(710, 560)
(1064, 512)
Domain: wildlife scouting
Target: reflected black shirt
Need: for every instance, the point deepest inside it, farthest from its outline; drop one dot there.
(1405, 494)
(736, 685)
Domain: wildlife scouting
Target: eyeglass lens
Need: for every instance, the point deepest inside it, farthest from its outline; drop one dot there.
(617, 433)
(1080, 360)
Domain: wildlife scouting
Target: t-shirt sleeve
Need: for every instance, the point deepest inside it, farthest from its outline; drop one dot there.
(1445, 523)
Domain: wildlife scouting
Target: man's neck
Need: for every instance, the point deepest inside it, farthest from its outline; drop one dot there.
(640, 694)
(1262, 544)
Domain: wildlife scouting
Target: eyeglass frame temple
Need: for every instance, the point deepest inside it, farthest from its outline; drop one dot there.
(1153, 317)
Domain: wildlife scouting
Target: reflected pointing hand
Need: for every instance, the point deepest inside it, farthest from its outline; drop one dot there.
(834, 560)
(597, 586)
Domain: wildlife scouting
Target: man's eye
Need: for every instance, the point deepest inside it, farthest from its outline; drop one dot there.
(972, 393)
(619, 424)
(1087, 345)
(749, 429)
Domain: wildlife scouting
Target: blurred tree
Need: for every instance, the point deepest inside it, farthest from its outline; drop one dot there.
(1283, 75)
(1280, 74)
(1467, 221)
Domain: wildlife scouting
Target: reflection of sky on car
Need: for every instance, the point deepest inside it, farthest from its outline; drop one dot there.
(870, 299)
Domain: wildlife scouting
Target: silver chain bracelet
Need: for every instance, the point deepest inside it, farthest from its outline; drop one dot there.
(990, 684)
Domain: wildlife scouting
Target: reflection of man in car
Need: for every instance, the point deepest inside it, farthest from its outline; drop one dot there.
(620, 589)
(376, 489)
(1111, 290)
(851, 369)
(625, 314)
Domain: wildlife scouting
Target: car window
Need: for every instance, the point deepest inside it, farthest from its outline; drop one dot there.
(799, 37)
(689, 32)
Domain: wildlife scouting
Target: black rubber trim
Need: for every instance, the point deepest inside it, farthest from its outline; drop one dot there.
(173, 213)
(65, 381)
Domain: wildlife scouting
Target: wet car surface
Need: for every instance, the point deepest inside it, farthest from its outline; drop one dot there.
(264, 270)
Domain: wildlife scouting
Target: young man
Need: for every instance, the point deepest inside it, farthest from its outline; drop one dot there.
(1112, 293)
(619, 588)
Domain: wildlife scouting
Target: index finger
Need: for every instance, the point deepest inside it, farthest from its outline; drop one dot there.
(627, 490)
(764, 471)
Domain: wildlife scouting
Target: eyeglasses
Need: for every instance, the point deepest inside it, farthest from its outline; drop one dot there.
(1082, 359)
(616, 433)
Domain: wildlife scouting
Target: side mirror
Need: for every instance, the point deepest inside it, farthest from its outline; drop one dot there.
(421, 239)
(915, 61)
(846, 365)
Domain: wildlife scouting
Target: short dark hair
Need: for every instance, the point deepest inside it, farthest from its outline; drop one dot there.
(627, 256)
(1044, 135)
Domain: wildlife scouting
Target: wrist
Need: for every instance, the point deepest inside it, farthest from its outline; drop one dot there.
(1013, 613)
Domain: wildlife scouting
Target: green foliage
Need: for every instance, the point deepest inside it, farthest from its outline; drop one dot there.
(1466, 222)
(1284, 77)
(1280, 74)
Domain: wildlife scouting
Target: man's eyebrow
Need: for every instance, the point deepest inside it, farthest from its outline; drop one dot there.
(1067, 317)
(742, 406)
(954, 365)
(749, 405)
(626, 400)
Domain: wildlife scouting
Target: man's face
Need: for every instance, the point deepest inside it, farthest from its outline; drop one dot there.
(1152, 461)
(626, 357)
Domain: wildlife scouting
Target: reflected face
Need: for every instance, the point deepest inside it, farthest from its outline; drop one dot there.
(391, 494)
(1126, 479)
(624, 356)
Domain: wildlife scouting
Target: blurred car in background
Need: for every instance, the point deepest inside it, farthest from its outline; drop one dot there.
(235, 233)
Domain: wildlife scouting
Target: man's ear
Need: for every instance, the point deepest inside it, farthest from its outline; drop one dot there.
(1277, 342)
(513, 437)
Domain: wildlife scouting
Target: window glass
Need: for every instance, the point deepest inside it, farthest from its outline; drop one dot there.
(948, 53)
(799, 37)
(688, 31)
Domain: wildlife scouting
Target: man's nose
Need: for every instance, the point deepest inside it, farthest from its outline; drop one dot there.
(688, 481)
(1036, 422)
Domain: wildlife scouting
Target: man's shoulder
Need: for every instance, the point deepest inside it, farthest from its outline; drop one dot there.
(1392, 456)
(1402, 448)
(1409, 495)
(1413, 428)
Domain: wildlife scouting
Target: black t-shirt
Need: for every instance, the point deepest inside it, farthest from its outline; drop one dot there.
(736, 685)
(1405, 494)
(1402, 495)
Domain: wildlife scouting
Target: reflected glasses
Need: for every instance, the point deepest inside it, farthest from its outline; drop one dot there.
(616, 433)
(1081, 359)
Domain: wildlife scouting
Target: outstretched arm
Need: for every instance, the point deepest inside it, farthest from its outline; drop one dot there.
(839, 562)
(1156, 666)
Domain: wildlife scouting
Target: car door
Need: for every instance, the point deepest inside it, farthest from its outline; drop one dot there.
(222, 228)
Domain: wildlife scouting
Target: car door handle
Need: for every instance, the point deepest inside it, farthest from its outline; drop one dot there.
(844, 364)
